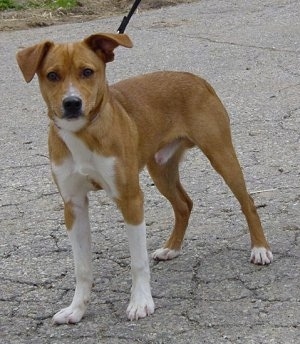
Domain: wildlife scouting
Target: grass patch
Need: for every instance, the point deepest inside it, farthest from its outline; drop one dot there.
(53, 4)
(46, 4)
(8, 4)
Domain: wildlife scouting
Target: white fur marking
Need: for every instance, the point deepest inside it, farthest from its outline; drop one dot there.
(72, 92)
(89, 164)
(261, 256)
(72, 125)
(141, 302)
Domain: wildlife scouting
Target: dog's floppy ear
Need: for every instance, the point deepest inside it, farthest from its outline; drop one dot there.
(107, 42)
(30, 59)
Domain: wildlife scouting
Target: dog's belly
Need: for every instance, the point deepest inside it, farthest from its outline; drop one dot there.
(90, 169)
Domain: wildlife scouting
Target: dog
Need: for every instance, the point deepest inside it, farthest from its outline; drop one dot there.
(102, 136)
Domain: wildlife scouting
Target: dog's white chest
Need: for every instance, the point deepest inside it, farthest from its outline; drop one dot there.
(89, 166)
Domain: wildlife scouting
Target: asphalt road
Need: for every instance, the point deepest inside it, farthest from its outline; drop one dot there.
(249, 51)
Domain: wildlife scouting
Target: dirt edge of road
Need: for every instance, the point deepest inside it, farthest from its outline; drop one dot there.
(84, 11)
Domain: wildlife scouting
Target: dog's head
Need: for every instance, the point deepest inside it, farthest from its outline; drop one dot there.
(72, 76)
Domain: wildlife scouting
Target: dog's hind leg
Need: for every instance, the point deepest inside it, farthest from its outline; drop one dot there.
(215, 141)
(166, 178)
(227, 165)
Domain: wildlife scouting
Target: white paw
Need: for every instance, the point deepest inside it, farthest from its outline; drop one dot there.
(261, 256)
(140, 306)
(69, 315)
(165, 254)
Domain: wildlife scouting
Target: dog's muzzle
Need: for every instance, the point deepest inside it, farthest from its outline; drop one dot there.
(72, 107)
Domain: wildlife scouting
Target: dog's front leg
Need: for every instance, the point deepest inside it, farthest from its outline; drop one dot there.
(77, 222)
(74, 188)
(141, 302)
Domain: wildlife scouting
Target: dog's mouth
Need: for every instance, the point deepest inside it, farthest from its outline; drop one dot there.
(72, 116)
(70, 123)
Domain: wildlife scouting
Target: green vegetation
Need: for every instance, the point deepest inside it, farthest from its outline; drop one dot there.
(52, 3)
(47, 4)
(7, 4)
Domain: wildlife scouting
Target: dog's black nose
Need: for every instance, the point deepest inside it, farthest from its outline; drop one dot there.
(72, 106)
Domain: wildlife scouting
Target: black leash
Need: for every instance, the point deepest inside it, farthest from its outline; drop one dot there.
(126, 19)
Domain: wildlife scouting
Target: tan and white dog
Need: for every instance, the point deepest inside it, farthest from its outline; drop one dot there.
(102, 136)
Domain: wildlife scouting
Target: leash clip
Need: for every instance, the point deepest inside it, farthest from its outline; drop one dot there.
(126, 19)
(123, 25)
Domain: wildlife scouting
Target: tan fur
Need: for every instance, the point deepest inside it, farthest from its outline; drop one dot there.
(133, 120)
(69, 214)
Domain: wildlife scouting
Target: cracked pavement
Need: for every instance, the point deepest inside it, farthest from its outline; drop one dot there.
(249, 52)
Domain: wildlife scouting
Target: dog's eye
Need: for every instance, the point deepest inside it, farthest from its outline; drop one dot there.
(87, 72)
(53, 76)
